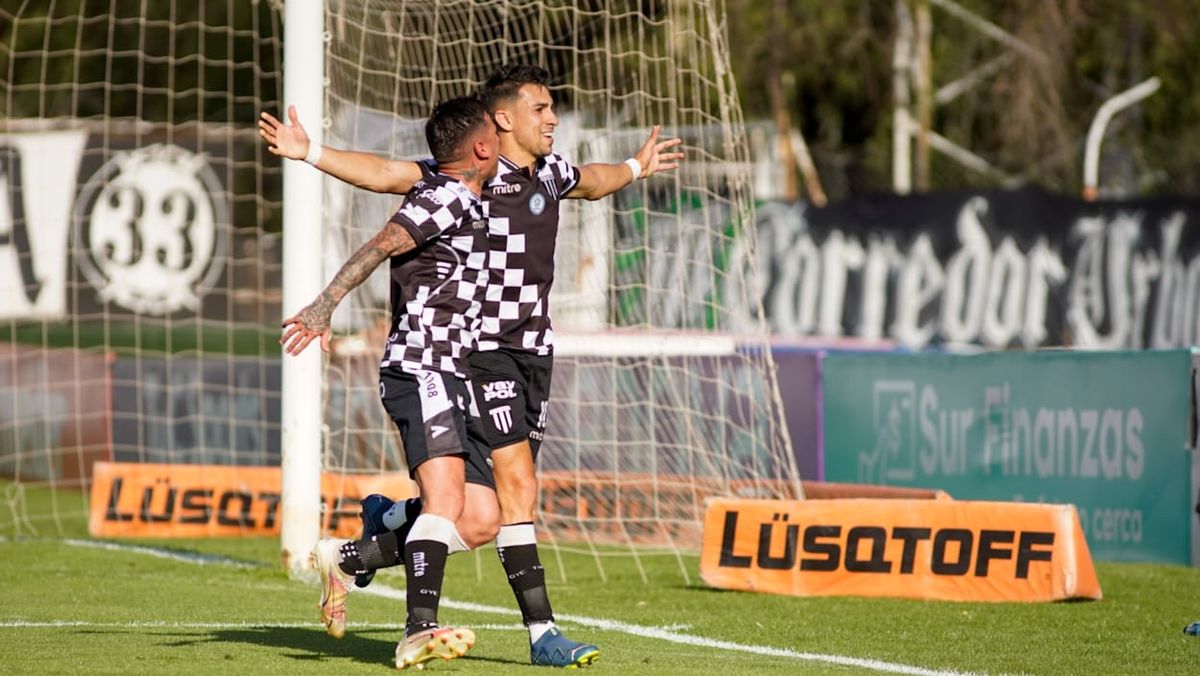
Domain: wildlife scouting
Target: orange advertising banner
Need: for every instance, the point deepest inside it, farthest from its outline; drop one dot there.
(924, 549)
(193, 501)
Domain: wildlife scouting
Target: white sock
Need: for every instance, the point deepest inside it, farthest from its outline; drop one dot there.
(433, 527)
(456, 544)
(537, 629)
(512, 535)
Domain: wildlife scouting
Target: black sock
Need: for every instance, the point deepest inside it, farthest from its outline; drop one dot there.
(425, 563)
(380, 551)
(528, 581)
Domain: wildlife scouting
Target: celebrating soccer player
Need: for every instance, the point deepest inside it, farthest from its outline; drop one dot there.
(437, 246)
(511, 365)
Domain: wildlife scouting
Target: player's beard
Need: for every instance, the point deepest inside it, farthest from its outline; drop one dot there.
(545, 143)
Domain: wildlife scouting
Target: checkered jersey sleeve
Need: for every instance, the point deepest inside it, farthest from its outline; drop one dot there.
(429, 210)
(566, 175)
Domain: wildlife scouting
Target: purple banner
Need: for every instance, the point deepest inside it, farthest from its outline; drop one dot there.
(800, 387)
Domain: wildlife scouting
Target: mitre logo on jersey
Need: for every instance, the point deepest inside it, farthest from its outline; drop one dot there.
(501, 389)
(537, 204)
(502, 418)
(506, 188)
(152, 230)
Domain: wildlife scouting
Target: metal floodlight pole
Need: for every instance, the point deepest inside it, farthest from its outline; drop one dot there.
(1091, 155)
(302, 377)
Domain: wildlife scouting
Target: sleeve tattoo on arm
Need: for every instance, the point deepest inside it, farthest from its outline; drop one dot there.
(390, 241)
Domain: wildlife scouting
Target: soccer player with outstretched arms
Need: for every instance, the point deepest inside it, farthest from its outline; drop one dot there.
(512, 362)
(437, 247)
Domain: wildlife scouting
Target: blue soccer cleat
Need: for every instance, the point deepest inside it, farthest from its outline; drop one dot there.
(555, 650)
(374, 506)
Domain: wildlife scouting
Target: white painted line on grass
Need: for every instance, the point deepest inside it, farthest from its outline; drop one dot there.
(660, 633)
(666, 634)
(158, 624)
(184, 557)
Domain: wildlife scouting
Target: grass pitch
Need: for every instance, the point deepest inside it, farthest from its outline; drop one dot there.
(224, 606)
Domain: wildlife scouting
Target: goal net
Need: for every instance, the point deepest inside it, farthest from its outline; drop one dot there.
(139, 252)
(664, 390)
(140, 255)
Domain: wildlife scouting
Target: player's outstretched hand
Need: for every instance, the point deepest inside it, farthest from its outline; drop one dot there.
(284, 140)
(299, 332)
(653, 155)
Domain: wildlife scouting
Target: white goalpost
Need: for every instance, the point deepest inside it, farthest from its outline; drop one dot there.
(149, 246)
(304, 65)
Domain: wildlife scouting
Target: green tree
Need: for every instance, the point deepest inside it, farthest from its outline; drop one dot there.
(1029, 118)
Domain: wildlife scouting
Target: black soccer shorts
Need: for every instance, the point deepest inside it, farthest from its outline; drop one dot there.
(512, 389)
(431, 409)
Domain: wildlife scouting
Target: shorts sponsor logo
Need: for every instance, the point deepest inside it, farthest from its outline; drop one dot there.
(501, 389)
(437, 431)
(502, 418)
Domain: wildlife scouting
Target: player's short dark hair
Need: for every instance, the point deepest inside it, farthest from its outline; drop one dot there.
(451, 123)
(508, 79)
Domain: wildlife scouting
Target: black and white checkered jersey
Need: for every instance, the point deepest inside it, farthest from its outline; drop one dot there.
(437, 287)
(522, 211)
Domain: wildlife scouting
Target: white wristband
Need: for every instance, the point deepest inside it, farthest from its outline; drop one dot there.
(314, 153)
(635, 167)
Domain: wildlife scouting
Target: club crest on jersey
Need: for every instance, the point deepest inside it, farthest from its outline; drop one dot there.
(537, 204)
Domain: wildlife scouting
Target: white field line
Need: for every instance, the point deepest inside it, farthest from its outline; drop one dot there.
(184, 557)
(363, 626)
(660, 633)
